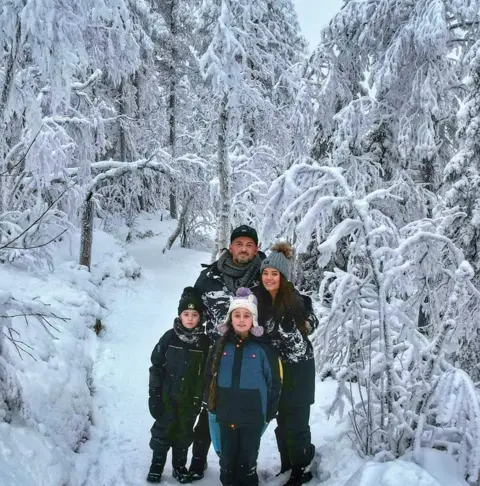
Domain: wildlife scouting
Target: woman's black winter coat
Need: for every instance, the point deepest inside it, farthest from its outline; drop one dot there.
(294, 348)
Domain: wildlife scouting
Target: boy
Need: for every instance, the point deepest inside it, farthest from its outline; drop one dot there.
(176, 386)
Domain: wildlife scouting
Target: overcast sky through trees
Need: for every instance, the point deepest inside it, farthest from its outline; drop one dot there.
(314, 15)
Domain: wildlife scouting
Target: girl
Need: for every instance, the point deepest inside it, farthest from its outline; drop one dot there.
(288, 319)
(243, 386)
(176, 387)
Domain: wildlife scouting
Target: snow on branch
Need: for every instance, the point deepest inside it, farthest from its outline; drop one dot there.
(10, 309)
(113, 170)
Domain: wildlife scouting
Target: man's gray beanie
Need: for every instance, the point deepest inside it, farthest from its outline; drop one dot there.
(278, 260)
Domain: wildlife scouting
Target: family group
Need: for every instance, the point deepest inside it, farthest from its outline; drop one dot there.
(237, 357)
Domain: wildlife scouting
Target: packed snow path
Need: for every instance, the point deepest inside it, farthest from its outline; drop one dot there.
(118, 446)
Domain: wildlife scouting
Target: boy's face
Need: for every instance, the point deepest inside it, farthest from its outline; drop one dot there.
(190, 318)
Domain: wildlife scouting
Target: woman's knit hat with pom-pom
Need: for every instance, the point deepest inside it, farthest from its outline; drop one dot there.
(279, 259)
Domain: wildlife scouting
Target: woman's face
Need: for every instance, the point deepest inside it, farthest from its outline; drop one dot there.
(271, 279)
(242, 321)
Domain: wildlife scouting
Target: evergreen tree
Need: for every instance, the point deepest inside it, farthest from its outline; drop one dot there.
(249, 49)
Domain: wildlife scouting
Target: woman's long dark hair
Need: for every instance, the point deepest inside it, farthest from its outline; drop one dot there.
(286, 303)
(216, 364)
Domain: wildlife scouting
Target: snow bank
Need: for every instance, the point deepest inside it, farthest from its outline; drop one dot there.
(47, 402)
(431, 468)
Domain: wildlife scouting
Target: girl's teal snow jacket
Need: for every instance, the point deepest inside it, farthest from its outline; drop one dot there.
(249, 381)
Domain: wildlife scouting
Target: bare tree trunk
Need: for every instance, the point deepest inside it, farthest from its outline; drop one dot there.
(87, 232)
(427, 174)
(216, 250)
(137, 81)
(121, 121)
(224, 210)
(4, 96)
(180, 225)
(172, 101)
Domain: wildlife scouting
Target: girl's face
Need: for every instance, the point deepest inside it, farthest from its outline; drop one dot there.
(190, 318)
(271, 279)
(242, 321)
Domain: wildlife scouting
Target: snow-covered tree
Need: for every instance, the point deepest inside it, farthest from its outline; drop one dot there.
(390, 85)
(462, 177)
(406, 49)
(249, 49)
(369, 333)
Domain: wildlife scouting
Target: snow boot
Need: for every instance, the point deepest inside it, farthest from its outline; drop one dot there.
(200, 448)
(179, 459)
(299, 476)
(158, 463)
(197, 471)
(155, 473)
(182, 475)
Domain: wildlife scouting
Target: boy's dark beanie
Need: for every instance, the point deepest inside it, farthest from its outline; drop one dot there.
(190, 300)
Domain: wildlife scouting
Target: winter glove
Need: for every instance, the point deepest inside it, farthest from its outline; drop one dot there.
(155, 402)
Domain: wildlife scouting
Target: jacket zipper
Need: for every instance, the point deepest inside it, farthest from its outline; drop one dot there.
(237, 364)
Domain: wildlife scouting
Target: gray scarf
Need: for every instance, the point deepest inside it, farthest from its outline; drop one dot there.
(190, 336)
(235, 276)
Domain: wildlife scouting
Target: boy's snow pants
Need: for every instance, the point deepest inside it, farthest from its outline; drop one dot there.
(239, 452)
(175, 430)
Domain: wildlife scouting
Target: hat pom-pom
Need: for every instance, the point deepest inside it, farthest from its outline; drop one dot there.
(285, 248)
(188, 293)
(257, 331)
(243, 292)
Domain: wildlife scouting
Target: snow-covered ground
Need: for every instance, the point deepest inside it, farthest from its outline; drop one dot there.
(81, 377)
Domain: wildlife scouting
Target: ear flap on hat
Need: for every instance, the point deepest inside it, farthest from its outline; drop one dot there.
(257, 331)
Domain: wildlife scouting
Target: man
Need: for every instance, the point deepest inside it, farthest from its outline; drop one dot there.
(237, 267)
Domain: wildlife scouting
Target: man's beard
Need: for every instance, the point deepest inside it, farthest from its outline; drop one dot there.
(242, 259)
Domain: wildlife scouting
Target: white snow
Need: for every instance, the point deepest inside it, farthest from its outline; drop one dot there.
(432, 468)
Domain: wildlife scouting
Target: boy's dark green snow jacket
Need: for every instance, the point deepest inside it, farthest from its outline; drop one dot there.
(177, 375)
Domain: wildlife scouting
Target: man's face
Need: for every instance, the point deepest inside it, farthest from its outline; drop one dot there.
(243, 249)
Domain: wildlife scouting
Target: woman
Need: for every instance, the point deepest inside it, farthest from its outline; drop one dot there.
(288, 319)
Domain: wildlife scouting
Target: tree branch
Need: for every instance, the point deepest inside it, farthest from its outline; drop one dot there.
(25, 231)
